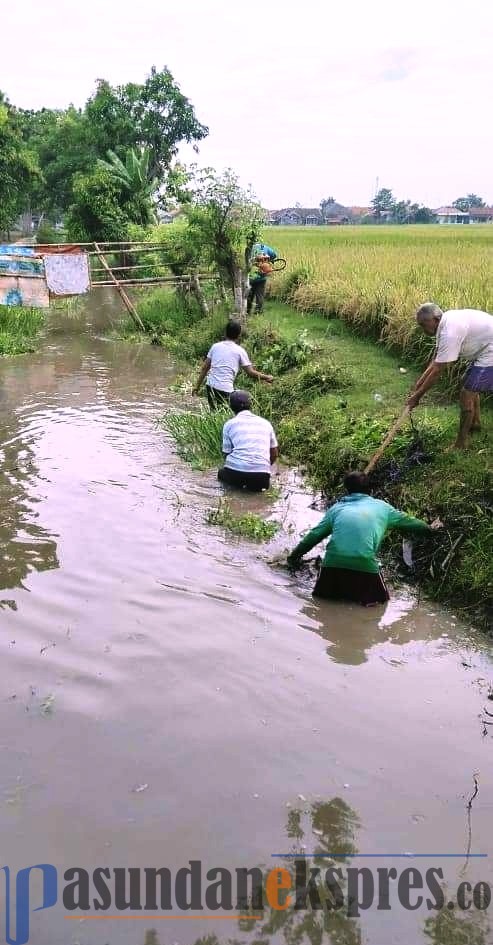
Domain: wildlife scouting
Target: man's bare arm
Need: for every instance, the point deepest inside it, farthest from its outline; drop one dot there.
(428, 379)
(203, 374)
(257, 375)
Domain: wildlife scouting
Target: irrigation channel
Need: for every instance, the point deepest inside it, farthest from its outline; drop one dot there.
(167, 695)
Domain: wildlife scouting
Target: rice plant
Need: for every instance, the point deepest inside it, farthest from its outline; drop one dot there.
(375, 277)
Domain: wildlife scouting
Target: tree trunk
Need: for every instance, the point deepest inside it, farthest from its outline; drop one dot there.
(199, 295)
(239, 293)
(223, 295)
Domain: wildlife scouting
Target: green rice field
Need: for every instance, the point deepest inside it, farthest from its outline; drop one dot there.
(374, 277)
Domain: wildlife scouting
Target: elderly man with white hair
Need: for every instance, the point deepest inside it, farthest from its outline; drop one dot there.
(460, 333)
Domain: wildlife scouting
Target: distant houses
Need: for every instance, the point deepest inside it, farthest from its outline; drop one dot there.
(331, 214)
(474, 215)
(168, 216)
(451, 215)
(335, 214)
(481, 215)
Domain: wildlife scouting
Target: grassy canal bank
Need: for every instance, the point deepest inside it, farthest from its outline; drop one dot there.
(333, 399)
(20, 329)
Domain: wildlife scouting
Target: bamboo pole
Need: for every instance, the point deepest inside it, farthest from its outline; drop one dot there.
(388, 439)
(164, 278)
(120, 245)
(21, 275)
(134, 249)
(132, 268)
(129, 305)
(156, 280)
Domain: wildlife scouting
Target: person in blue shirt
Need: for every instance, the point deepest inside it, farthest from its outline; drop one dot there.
(260, 269)
(261, 249)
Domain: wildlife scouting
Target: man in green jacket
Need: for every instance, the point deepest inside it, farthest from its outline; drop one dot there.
(357, 525)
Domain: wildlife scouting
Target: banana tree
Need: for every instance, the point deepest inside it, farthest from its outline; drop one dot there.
(137, 186)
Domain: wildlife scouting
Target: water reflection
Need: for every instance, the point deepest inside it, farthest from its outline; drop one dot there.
(353, 631)
(447, 928)
(49, 402)
(329, 828)
(27, 545)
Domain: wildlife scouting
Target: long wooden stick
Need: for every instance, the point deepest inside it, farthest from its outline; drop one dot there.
(388, 439)
(129, 305)
(143, 282)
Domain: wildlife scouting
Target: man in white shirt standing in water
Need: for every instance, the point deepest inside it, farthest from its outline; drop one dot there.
(221, 366)
(460, 333)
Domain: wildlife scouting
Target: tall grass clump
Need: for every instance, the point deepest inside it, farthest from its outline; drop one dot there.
(19, 329)
(198, 436)
(375, 277)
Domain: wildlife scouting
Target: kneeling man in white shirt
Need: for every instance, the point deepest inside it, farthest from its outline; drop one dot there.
(249, 446)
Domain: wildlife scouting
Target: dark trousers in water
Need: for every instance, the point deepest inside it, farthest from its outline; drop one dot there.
(252, 481)
(217, 398)
(361, 587)
(257, 295)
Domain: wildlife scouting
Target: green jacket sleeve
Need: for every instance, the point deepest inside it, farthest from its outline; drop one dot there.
(407, 523)
(317, 534)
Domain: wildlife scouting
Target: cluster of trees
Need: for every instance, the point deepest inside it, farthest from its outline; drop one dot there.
(384, 206)
(102, 167)
(217, 229)
(107, 168)
(468, 203)
(19, 171)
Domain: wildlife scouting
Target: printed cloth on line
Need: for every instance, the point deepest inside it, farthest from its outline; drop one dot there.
(25, 292)
(13, 249)
(67, 273)
(21, 264)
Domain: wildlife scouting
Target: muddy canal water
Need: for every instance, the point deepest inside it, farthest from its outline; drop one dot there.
(167, 695)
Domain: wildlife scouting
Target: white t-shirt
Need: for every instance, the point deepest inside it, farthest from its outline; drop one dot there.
(226, 360)
(465, 333)
(247, 439)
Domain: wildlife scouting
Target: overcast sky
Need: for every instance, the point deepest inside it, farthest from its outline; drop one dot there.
(303, 99)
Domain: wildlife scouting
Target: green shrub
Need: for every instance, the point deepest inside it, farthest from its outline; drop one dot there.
(328, 441)
(46, 233)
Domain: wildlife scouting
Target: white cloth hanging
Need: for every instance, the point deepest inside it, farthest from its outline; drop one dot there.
(67, 273)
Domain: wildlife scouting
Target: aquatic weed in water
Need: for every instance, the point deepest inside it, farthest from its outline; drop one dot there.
(249, 525)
